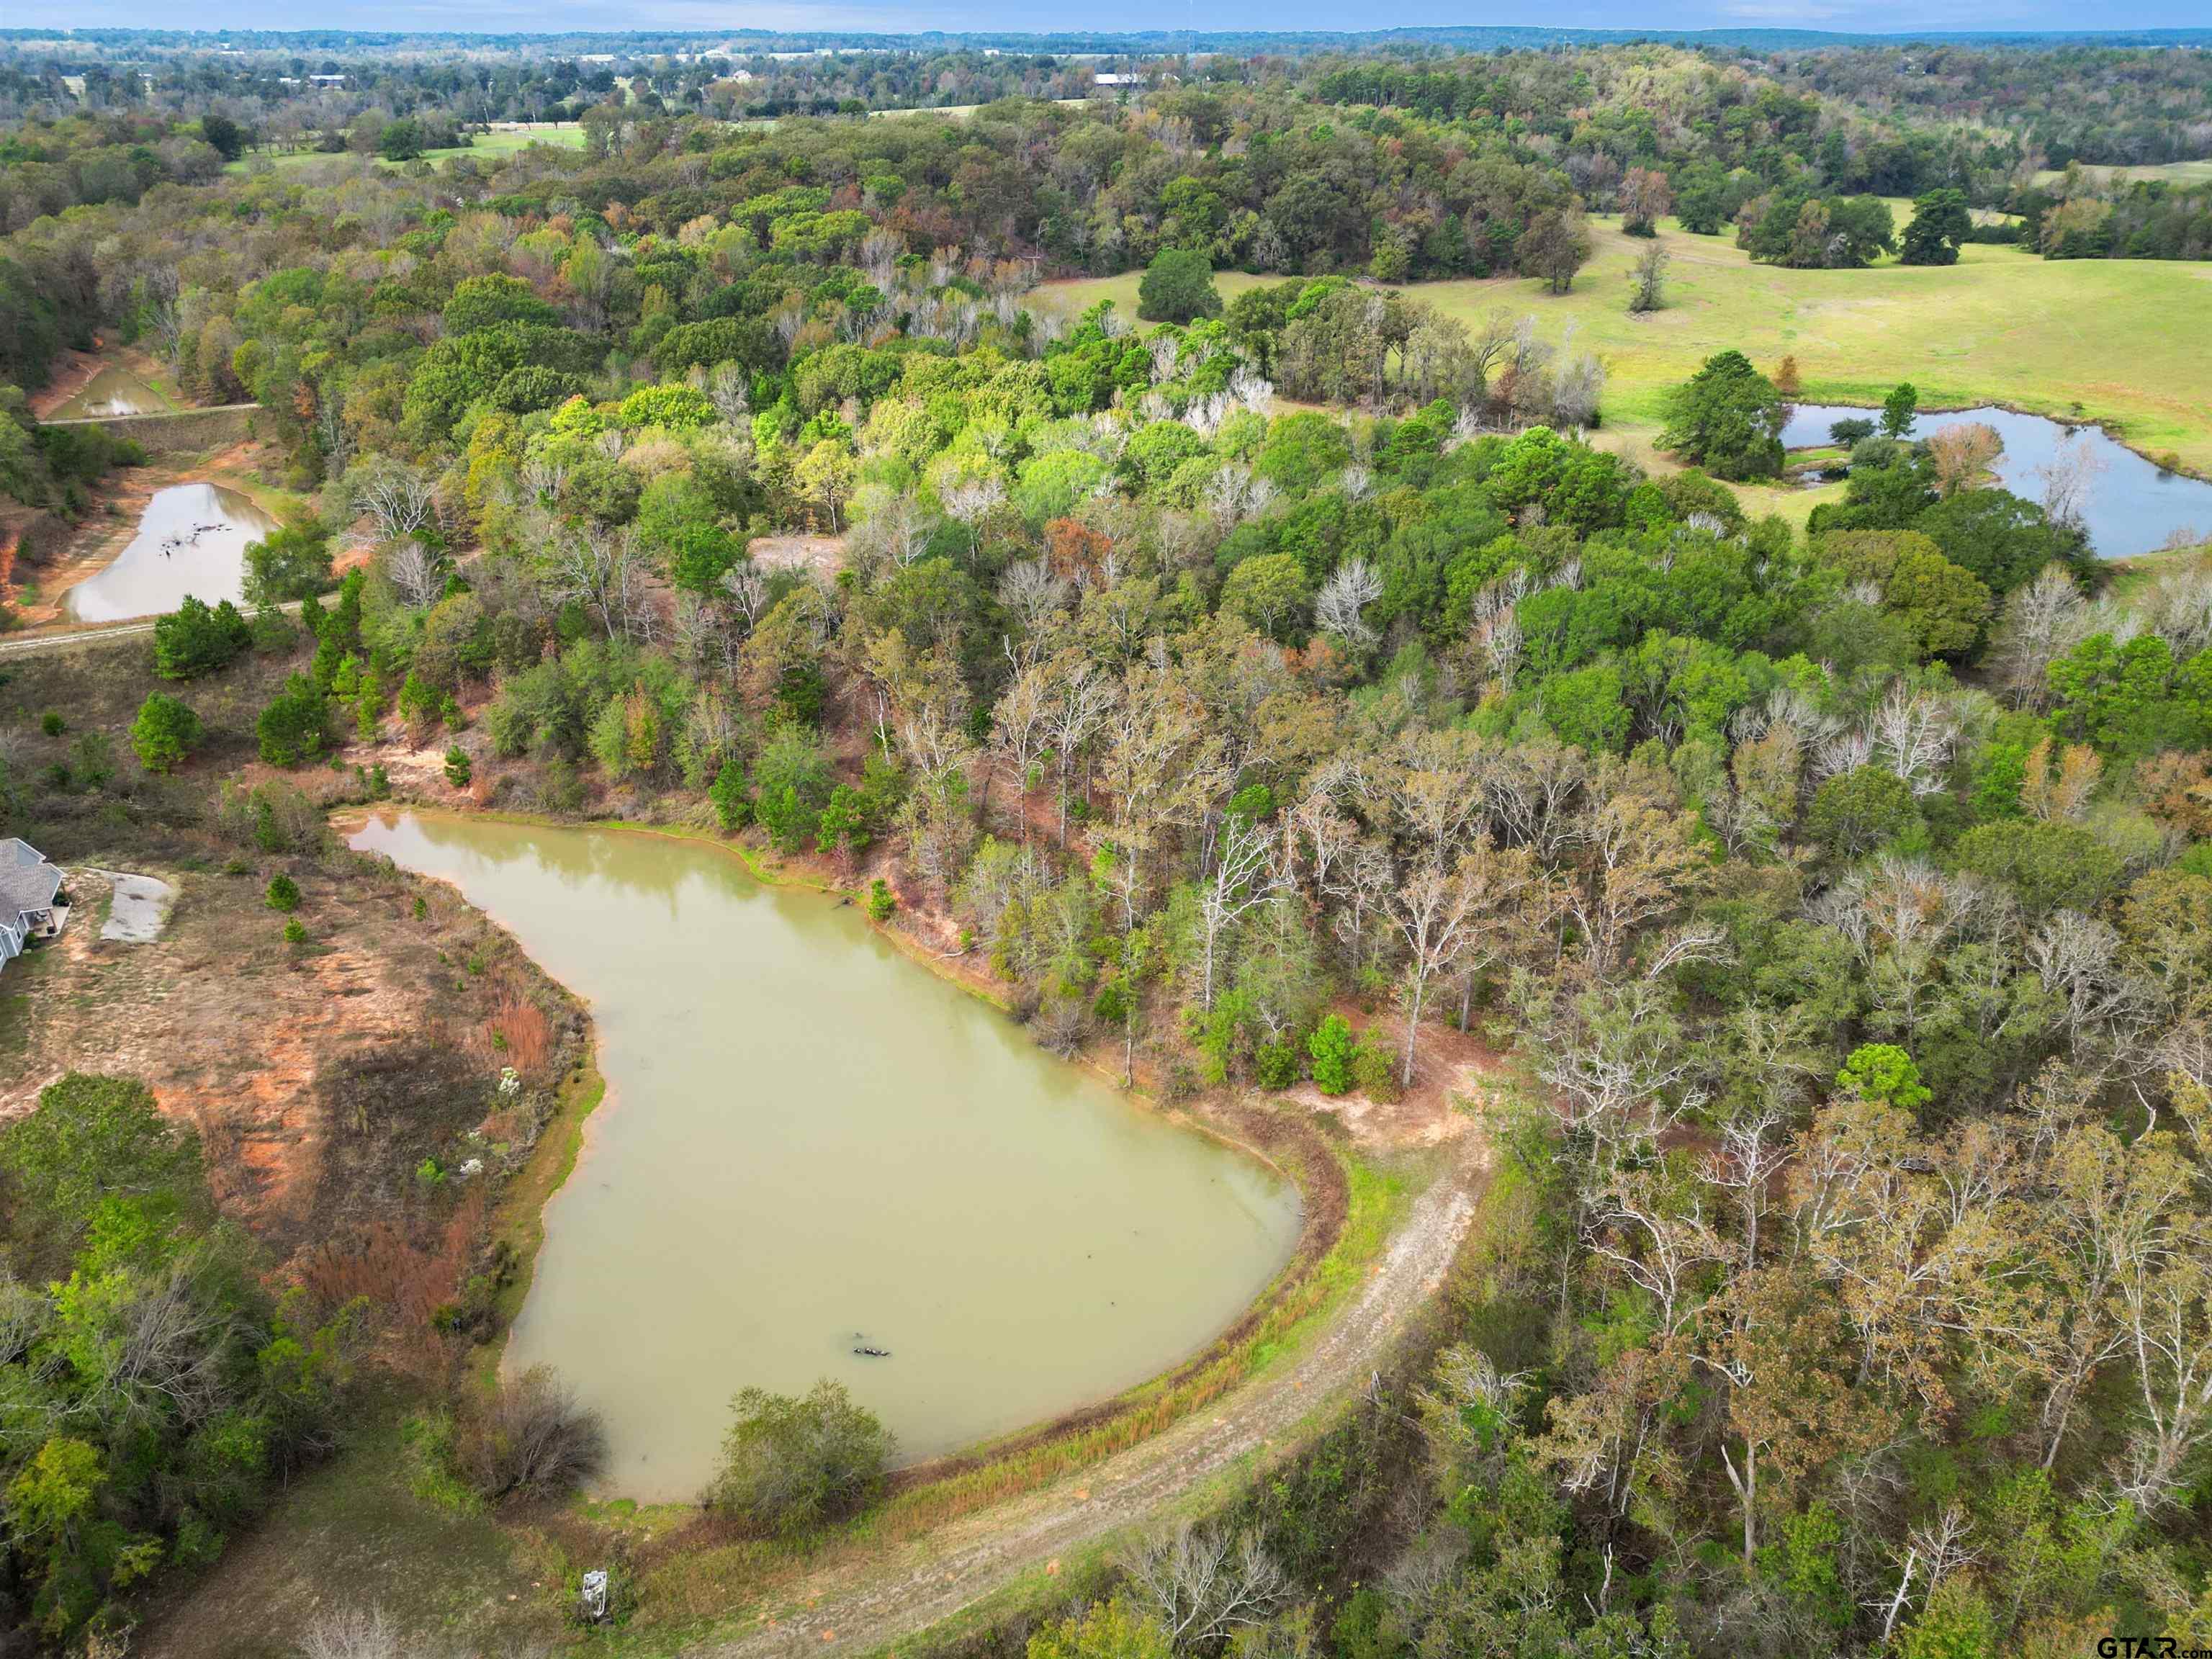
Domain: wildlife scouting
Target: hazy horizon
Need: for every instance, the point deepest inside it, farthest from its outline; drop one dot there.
(535, 17)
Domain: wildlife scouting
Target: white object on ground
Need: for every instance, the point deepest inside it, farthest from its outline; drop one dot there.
(140, 909)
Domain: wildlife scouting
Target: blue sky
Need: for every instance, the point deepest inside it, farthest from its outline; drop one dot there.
(523, 15)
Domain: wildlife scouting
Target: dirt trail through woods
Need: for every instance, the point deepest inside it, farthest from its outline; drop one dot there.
(857, 1605)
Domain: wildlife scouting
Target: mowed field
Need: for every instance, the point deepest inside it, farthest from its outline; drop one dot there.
(2128, 342)
(489, 146)
(2174, 173)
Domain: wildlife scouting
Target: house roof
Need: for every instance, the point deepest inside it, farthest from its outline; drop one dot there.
(28, 882)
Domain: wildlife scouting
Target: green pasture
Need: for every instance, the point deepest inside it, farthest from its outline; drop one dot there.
(2128, 342)
(489, 146)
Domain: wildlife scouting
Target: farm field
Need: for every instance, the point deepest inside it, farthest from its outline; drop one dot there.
(2125, 342)
(2174, 173)
(487, 146)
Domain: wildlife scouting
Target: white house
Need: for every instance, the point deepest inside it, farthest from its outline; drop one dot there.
(27, 888)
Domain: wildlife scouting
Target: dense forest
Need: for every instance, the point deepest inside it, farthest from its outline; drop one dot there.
(1460, 176)
(1843, 897)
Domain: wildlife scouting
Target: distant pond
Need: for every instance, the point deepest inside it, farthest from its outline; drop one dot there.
(112, 391)
(811, 1145)
(2132, 506)
(191, 539)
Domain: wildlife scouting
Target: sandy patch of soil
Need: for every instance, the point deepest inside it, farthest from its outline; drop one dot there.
(137, 907)
(262, 1046)
(824, 554)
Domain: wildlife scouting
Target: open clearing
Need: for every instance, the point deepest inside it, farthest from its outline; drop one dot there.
(2123, 341)
(489, 146)
(2172, 172)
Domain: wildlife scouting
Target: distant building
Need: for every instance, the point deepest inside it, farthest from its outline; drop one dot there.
(28, 907)
(1117, 80)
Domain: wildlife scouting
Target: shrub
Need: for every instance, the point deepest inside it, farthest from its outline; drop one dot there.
(1177, 288)
(290, 562)
(295, 932)
(459, 772)
(1117, 1629)
(195, 639)
(1726, 418)
(164, 732)
(96, 759)
(51, 723)
(1883, 1070)
(352, 1633)
(733, 805)
(1375, 1068)
(277, 817)
(790, 781)
(295, 726)
(2049, 866)
(790, 1464)
(1332, 1047)
(284, 894)
(882, 902)
(1857, 810)
(1275, 1065)
(532, 1438)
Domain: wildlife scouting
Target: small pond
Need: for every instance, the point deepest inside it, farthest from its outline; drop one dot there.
(112, 391)
(2132, 506)
(190, 539)
(809, 1144)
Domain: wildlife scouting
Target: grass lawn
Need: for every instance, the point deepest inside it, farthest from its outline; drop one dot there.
(350, 1534)
(488, 147)
(2174, 173)
(2131, 576)
(2123, 341)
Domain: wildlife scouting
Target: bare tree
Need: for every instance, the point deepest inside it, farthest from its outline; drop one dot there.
(416, 572)
(728, 391)
(1343, 599)
(1033, 593)
(1440, 917)
(1020, 728)
(533, 1437)
(896, 530)
(746, 592)
(971, 502)
(1638, 1224)
(1639, 863)
(398, 497)
(2043, 620)
(2166, 1292)
(2069, 477)
(1206, 1584)
(1082, 696)
(1913, 735)
(1245, 875)
(601, 568)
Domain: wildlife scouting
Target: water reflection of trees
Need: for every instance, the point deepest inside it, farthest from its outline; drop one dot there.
(639, 868)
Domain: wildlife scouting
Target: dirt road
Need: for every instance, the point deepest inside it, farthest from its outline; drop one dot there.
(858, 1606)
(20, 645)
